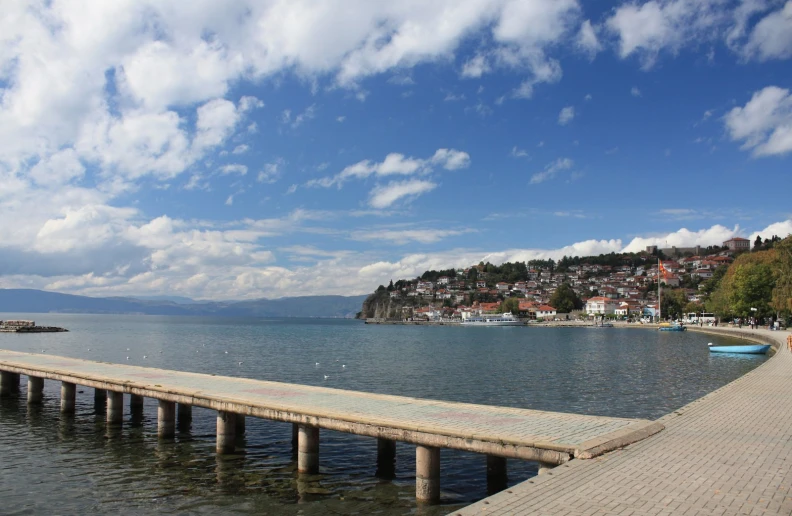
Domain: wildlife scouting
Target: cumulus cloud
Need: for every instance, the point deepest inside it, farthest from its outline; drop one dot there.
(764, 124)
(771, 37)
(587, 40)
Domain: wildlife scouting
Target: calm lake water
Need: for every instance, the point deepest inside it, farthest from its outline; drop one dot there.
(49, 465)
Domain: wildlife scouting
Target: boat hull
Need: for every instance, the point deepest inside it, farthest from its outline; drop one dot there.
(673, 328)
(492, 323)
(754, 349)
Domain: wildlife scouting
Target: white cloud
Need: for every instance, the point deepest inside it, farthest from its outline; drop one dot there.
(551, 170)
(340, 119)
(764, 124)
(230, 200)
(386, 195)
(771, 37)
(588, 97)
(397, 164)
(635, 92)
(684, 237)
(297, 121)
(240, 149)
(587, 40)
(451, 97)
(476, 66)
(216, 120)
(405, 236)
(234, 168)
(518, 153)
(566, 115)
(272, 172)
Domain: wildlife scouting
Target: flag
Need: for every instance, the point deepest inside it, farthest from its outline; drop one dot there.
(663, 270)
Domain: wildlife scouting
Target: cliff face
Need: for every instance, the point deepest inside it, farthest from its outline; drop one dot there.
(379, 305)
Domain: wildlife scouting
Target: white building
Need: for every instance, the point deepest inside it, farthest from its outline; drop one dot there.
(601, 306)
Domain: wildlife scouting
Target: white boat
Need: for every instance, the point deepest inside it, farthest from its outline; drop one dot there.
(505, 319)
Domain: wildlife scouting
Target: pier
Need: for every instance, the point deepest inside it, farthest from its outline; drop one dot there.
(729, 452)
(551, 439)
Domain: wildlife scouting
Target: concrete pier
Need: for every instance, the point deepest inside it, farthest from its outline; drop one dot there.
(427, 474)
(9, 383)
(548, 437)
(136, 403)
(115, 408)
(544, 467)
(166, 419)
(226, 432)
(35, 393)
(308, 449)
(68, 397)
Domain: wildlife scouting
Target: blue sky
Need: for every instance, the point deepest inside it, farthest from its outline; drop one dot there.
(268, 149)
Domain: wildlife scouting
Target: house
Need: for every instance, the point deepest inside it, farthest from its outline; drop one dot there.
(443, 280)
(672, 280)
(443, 294)
(738, 244)
(601, 305)
(545, 312)
(481, 284)
(623, 309)
(702, 273)
(502, 286)
(395, 294)
(489, 308)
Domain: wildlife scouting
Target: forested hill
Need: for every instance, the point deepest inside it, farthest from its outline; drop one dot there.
(39, 301)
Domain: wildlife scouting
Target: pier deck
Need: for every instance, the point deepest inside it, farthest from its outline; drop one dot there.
(550, 437)
(729, 452)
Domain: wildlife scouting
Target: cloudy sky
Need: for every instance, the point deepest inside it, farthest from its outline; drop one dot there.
(268, 148)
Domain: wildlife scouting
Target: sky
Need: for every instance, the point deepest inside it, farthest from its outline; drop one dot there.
(270, 148)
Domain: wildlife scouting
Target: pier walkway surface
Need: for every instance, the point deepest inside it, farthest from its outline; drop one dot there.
(550, 438)
(729, 452)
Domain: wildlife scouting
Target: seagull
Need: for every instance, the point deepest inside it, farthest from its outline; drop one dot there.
(240, 363)
(343, 365)
(42, 351)
(226, 352)
(326, 377)
(317, 364)
(89, 349)
(127, 349)
(127, 358)
(145, 356)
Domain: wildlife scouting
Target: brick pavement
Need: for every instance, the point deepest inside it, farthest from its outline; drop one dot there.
(550, 437)
(728, 453)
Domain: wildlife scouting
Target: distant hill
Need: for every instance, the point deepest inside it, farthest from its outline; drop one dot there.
(179, 300)
(40, 301)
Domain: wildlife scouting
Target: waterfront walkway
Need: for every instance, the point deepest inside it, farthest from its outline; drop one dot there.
(550, 438)
(728, 453)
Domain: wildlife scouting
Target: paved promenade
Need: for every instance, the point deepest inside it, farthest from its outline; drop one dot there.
(549, 437)
(728, 453)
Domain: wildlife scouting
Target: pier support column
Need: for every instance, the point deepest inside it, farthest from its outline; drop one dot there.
(226, 432)
(35, 393)
(386, 458)
(68, 397)
(295, 438)
(115, 408)
(184, 417)
(427, 474)
(9, 383)
(308, 449)
(497, 476)
(166, 419)
(135, 403)
(544, 467)
(240, 424)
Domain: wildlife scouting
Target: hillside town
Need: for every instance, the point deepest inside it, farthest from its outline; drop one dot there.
(616, 286)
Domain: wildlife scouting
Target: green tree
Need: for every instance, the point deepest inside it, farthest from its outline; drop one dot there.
(674, 302)
(510, 305)
(782, 293)
(758, 243)
(565, 300)
(752, 287)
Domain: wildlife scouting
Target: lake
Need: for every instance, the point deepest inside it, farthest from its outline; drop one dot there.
(72, 466)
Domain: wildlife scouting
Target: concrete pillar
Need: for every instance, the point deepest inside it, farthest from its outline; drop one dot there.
(135, 403)
(68, 397)
(115, 408)
(35, 393)
(9, 383)
(184, 417)
(226, 432)
(166, 419)
(308, 449)
(497, 477)
(544, 467)
(295, 438)
(427, 474)
(240, 424)
(386, 458)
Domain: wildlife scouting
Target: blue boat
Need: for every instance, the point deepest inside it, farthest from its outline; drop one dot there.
(676, 327)
(753, 349)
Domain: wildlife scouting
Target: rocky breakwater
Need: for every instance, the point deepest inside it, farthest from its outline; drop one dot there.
(27, 327)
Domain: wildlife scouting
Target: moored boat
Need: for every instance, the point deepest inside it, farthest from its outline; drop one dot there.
(752, 349)
(675, 327)
(505, 319)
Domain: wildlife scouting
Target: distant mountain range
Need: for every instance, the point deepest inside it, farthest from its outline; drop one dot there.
(40, 301)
